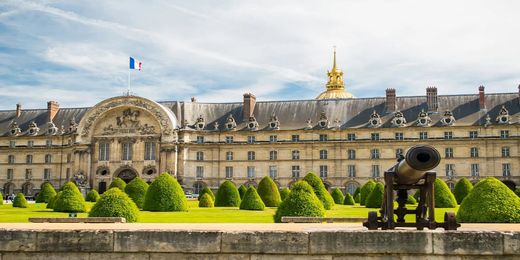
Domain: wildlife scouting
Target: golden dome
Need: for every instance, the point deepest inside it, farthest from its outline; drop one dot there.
(335, 84)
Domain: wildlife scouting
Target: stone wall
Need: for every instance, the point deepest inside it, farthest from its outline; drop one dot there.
(319, 244)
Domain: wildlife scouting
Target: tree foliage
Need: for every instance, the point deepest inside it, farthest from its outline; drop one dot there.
(242, 191)
(117, 183)
(46, 193)
(302, 202)
(92, 196)
(443, 196)
(366, 189)
(165, 194)
(206, 201)
(20, 201)
(349, 200)
(227, 195)
(252, 200)
(208, 191)
(115, 203)
(375, 198)
(136, 190)
(69, 199)
(462, 189)
(320, 190)
(284, 193)
(268, 191)
(337, 195)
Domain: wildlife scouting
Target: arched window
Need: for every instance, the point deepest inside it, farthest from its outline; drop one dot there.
(351, 187)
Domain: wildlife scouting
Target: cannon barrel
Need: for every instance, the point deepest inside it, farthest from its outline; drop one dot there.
(417, 161)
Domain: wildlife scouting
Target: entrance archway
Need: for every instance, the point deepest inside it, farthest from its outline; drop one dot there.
(27, 189)
(102, 187)
(8, 189)
(127, 174)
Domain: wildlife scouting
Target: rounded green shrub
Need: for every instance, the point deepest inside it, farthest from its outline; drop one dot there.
(284, 193)
(92, 196)
(252, 200)
(365, 191)
(357, 199)
(165, 194)
(227, 195)
(50, 204)
(115, 203)
(301, 202)
(206, 201)
(443, 196)
(356, 192)
(46, 193)
(462, 189)
(242, 191)
(208, 191)
(70, 199)
(349, 200)
(20, 201)
(337, 195)
(136, 190)
(320, 190)
(490, 201)
(375, 198)
(411, 200)
(1, 199)
(117, 183)
(517, 192)
(268, 191)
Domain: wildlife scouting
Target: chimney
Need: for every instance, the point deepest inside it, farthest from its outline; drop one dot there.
(52, 110)
(18, 109)
(390, 100)
(431, 99)
(481, 98)
(249, 106)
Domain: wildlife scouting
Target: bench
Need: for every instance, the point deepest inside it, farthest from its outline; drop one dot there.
(79, 220)
(321, 220)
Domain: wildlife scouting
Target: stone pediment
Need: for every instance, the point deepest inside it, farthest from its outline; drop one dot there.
(128, 121)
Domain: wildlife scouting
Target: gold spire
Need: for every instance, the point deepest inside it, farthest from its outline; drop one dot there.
(335, 84)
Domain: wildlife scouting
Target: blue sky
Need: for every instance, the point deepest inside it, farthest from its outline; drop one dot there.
(76, 52)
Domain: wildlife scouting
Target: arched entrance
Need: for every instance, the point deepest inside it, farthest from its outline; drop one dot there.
(102, 187)
(198, 186)
(351, 187)
(27, 189)
(8, 189)
(127, 174)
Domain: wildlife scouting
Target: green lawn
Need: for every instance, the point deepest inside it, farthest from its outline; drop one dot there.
(193, 215)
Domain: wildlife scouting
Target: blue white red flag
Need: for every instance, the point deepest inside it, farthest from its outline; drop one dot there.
(135, 64)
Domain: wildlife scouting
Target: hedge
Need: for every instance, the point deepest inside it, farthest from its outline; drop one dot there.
(92, 196)
(46, 193)
(462, 189)
(268, 191)
(206, 201)
(490, 201)
(227, 195)
(208, 191)
(284, 193)
(242, 191)
(365, 191)
(349, 200)
(252, 200)
(117, 183)
(20, 201)
(115, 203)
(69, 199)
(50, 204)
(337, 196)
(302, 202)
(136, 190)
(411, 200)
(320, 190)
(443, 196)
(375, 198)
(165, 194)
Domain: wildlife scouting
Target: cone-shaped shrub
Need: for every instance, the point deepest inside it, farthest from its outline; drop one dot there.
(357, 199)
(50, 204)
(70, 199)
(375, 198)
(165, 194)
(136, 190)
(337, 195)
(490, 201)
(117, 183)
(356, 192)
(20, 201)
(252, 200)
(462, 189)
(365, 191)
(208, 191)
(227, 195)
(92, 196)
(206, 201)
(301, 202)
(517, 192)
(411, 200)
(1, 199)
(268, 191)
(46, 193)
(443, 196)
(320, 190)
(284, 193)
(242, 191)
(349, 200)
(115, 203)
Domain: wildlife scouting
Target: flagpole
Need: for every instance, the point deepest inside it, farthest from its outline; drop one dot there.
(128, 88)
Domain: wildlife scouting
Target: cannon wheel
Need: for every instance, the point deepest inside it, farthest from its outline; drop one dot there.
(450, 222)
(372, 220)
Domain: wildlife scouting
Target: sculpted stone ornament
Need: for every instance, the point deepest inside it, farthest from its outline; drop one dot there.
(230, 123)
(33, 128)
(200, 124)
(80, 179)
(337, 124)
(73, 126)
(14, 130)
(128, 119)
(503, 116)
(423, 119)
(274, 124)
(309, 124)
(128, 124)
(252, 125)
(398, 120)
(375, 120)
(215, 126)
(324, 121)
(51, 128)
(488, 121)
(448, 119)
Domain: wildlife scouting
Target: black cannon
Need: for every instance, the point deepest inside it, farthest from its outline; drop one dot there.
(411, 172)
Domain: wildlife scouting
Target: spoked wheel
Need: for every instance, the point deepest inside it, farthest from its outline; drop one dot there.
(450, 221)
(372, 221)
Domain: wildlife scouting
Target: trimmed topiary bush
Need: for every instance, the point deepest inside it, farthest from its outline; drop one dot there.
(337, 196)
(92, 196)
(517, 192)
(227, 195)
(356, 192)
(20, 201)
(366, 190)
(165, 194)
(50, 204)
(208, 191)
(115, 203)
(443, 196)
(301, 202)
(357, 199)
(242, 191)
(349, 200)
(117, 183)
(1, 199)
(411, 200)
(252, 201)
(490, 201)
(284, 193)
(320, 190)
(268, 191)
(70, 199)
(206, 201)
(462, 189)
(46, 193)
(375, 198)
(136, 190)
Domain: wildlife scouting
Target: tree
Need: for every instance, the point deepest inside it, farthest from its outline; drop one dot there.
(252, 200)
(208, 191)
(136, 190)
(284, 193)
(462, 189)
(375, 198)
(301, 202)
(206, 201)
(165, 194)
(115, 203)
(242, 191)
(268, 191)
(46, 193)
(349, 200)
(320, 190)
(443, 196)
(117, 183)
(69, 199)
(20, 201)
(366, 190)
(92, 196)
(337, 195)
(227, 195)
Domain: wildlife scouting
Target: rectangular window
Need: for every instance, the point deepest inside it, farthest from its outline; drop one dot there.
(68, 174)
(200, 172)
(200, 156)
(399, 136)
(323, 138)
(450, 170)
(473, 134)
(505, 152)
(506, 169)
(375, 171)
(48, 143)
(448, 135)
(473, 152)
(351, 137)
(69, 158)
(46, 174)
(12, 144)
(351, 171)
(251, 139)
(48, 158)
(474, 170)
(351, 154)
(399, 153)
(273, 171)
(28, 174)
(448, 152)
(273, 138)
(229, 172)
(127, 151)
(229, 156)
(251, 155)
(200, 139)
(295, 138)
(323, 154)
(149, 150)
(504, 134)
(29, 159)
(374, 136)
(423, 135)
(296, 171)
(374, 154)
(10, 159)
(273, 155)
(30, 144)
(229, 139)
(296, 155)
(324, 171)
(104, 152)
(10, 174)
(250, 172)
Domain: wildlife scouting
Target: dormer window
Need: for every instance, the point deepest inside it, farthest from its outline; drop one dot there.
(51, 129)
(398, 120)
(503, 116)
(423, 119)
(375, 120)
(448, 119)
(230, 123)
(33, 128)
(14, 130)
(324, 121)
(200, 124)
(274, 124)
(252, 124)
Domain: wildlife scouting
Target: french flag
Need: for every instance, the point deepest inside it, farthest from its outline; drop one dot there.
(135, 64)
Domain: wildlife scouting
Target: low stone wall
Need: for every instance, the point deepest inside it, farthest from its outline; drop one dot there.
(319, 244)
